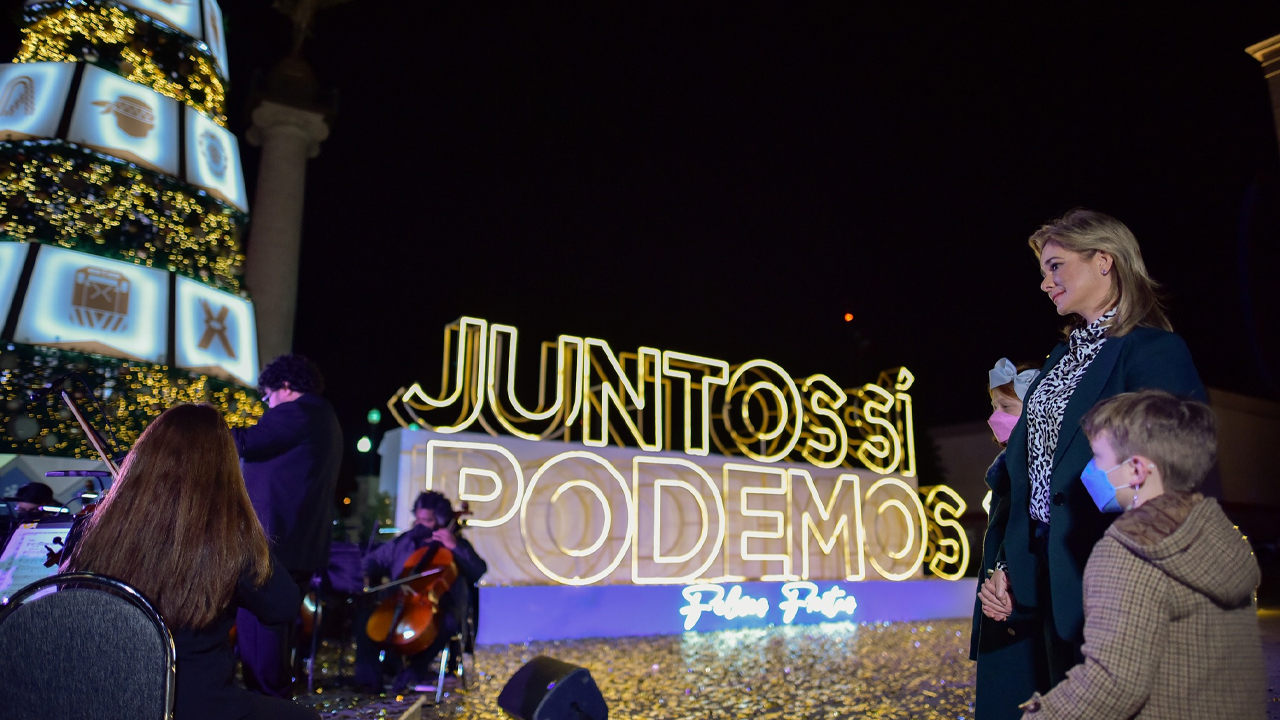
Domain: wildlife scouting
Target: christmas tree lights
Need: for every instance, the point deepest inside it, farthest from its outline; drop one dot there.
(96, 203)
(129, 44)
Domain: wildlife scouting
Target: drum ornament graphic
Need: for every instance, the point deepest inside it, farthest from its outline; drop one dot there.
(100, 299)
(134, 117)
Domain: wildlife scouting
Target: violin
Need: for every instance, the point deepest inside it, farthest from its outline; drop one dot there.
(54, 557)
(408, 621)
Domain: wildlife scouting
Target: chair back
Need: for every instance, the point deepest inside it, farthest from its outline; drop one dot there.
(85, 645)
(345, 574)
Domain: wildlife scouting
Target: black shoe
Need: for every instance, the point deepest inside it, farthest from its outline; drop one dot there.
(408, 679)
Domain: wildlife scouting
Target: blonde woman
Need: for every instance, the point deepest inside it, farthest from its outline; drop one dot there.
(1118, 340)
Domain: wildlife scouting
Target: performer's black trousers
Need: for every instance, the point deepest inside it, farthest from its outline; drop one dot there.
(369, 670)
(265, 650)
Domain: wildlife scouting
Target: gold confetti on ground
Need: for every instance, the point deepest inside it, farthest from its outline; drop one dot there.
(835, 671)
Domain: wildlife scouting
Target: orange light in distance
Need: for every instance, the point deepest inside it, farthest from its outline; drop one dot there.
(848, 317)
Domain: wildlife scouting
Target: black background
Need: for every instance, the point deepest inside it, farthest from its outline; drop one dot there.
(731, 179)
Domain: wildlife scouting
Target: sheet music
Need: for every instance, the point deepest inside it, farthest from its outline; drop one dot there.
(22, 562)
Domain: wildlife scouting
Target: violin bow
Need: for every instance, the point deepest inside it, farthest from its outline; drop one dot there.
(92, 435)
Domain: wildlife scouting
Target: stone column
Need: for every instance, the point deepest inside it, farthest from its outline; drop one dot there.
(1267, 52)
(288, 136)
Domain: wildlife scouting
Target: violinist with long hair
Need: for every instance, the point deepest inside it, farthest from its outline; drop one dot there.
(178, 526)
(433, 524)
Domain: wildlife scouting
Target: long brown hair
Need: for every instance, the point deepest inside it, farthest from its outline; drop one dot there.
(178, 524)
(1134, 294)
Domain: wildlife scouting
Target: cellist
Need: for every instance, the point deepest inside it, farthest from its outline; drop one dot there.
(433, 521)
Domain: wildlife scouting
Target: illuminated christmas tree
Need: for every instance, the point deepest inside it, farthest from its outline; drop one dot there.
(123, 213)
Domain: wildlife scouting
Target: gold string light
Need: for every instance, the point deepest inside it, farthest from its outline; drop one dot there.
(58, 193)
(133, 393)
(61, 194)
(129, 44)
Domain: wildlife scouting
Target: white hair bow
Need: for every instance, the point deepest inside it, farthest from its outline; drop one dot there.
(1005, 372)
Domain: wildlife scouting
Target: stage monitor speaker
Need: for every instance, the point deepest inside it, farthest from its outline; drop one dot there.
(548, 689)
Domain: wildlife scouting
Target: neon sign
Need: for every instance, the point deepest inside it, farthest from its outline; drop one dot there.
(726, 605)
(600, 397)
(610, 515)
(734, 603)
(659, 467)
(833, 602)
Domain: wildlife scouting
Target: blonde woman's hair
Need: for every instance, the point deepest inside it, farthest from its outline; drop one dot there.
(1134, 294)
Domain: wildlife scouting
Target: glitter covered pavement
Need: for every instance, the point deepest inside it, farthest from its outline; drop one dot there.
(840, 670)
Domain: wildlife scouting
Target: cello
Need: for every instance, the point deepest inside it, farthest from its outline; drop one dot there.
(409, 620)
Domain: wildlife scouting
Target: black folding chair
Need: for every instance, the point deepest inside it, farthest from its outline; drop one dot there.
(330, 591)
(85, 645)
(462, 643)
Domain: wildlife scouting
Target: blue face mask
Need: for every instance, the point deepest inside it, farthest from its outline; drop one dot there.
(1097, 482)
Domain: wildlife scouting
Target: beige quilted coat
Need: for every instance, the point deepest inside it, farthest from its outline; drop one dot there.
(1170, 629)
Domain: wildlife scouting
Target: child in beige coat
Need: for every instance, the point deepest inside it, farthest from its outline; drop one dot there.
(1170, 627)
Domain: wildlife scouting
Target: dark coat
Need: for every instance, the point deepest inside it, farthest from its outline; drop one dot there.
(1144, 358)
(290, 461)
(1005, 651)
(206, 663)
(997, 517)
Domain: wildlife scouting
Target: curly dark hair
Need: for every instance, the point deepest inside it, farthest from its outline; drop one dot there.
(436, 503)
(299, 373)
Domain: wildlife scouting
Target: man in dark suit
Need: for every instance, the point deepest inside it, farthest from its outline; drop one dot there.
(290, 461)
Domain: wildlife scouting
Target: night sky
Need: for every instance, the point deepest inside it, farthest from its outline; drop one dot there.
(730, 180)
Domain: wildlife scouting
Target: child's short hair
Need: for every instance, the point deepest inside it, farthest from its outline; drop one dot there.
(1181, 436)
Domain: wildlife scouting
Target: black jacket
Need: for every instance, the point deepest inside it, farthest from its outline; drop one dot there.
(1144, 358)
(997, 518)
(290, 461)
(206, 663)
(388, 560)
